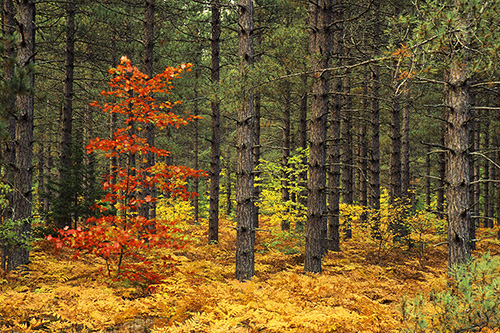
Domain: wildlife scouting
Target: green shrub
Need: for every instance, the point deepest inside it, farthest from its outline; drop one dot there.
(470, 303)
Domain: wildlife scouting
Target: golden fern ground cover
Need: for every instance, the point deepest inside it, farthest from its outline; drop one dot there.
(360, 289)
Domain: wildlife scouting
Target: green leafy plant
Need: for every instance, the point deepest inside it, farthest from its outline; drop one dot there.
(469, 304)
(286, 242)
(11, 234)
(271, 203)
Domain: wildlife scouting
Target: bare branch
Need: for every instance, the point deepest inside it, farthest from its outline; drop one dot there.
(486, 157)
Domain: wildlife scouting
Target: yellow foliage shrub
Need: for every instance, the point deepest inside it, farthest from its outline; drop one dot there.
(174, 209)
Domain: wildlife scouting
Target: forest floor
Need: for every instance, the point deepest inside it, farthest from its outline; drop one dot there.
(361, 289)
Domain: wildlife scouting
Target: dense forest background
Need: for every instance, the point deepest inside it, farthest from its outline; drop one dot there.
(328, 115)
(365, 85)
(355, 139)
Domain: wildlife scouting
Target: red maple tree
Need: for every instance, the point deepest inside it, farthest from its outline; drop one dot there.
(127, 241)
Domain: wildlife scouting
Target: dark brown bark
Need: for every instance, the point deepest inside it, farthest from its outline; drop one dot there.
(65, 150)
(196, 111)
(256, 138)
(457, 142)
(395, 167)
(363, 147)
(405, 146)
(497, 187)
(441, 171)
(148, 209)
(90, 158)
(333, 170)
(475, 165)
(245, 215)
(487, 174)
(374, 187)
(285, 149)
(302, 196)
(113, 125)
(428, 178)
(395, 150)
(229, 171)
(8, 153)
(42, 175)
(320, 20)
(149, 24)
(67, 110)
(23, 138)
(474, 170)
(214, 172)
(347, 153)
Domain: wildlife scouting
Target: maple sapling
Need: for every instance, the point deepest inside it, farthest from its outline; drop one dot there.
(129, 243)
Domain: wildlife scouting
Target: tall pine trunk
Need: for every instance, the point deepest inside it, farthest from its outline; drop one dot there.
(8, 154)
(196, 152)
(256, 136)
(363, 146)
(375, 124)
(23, 138)
(395, 150)
(320, 21)
(148, 209)
(302, 181)
(245, 215)
(441, 171)
(334, 169)
(487, 175)
(457, 142)
(65, 150)
(214, 173)
(405, 146)
(348, 159)
(285, 149)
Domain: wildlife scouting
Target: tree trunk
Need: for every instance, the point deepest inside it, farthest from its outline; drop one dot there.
(23, 139)
(9, 153)
(148, 209)
(441, 171)
(405, 147)
(363, 147)
(375, 124)
(113, 125)
(497, 187)
(395, 149)
(245, 215)
(302, 196)
(428, 178)
(487, 174)
(65, 152)
(285, 150)
(395, 166)
(213, 217)
(256, 138)
(474, 170)
(457, 142)
(375, 147)
(348, 160)
(229, 206)
(334, 169)
(196, 110)
(67, 110)
(320, 20)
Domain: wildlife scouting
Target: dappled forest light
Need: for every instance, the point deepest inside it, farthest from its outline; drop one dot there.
(249, 166)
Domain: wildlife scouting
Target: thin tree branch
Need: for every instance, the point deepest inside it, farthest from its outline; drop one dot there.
(486, 157)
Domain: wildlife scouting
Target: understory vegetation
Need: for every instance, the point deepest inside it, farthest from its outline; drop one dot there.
(371, 285)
